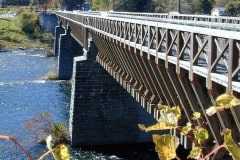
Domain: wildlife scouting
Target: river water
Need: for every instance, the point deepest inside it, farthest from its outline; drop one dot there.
(24, 94)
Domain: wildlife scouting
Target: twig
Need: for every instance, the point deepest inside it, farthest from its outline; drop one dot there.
(5, 137)
(45, 154)
(17, 144)
(213, 151)
(187, 135)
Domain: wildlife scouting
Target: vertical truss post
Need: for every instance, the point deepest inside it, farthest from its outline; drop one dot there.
(212, 55)
(233, 63)
(179, 49)
(168, 45)
(158, 39)
(193, 52)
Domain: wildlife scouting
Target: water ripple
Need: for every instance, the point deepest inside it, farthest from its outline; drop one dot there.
(11, 83)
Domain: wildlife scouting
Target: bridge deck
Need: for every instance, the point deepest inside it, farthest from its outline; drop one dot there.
(144, 34)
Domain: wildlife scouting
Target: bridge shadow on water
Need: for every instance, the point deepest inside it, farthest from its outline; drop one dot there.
(143, 151)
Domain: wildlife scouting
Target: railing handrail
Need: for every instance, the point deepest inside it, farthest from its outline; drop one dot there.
(185, 17)
(122, 30)
(196, 26)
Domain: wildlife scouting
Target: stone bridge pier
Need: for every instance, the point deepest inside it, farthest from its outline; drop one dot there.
(102, 112)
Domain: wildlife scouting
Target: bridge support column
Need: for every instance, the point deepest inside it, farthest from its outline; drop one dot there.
(58, 31)
(66, 54)
(92, 50)
(102, 112)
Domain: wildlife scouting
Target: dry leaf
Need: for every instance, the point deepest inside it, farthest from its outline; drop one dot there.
(231, 145)
(195, 153)
(165, 146)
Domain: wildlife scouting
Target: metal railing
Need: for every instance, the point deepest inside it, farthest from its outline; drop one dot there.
(161, 40)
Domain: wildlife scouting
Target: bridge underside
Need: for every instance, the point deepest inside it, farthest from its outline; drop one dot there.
(152, 83)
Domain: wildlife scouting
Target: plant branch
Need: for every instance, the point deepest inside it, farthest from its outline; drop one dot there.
(45, 154)
(213, 151)
(6, 137)
(187, 135)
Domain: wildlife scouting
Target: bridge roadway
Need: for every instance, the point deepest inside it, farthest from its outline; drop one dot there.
(167, 59)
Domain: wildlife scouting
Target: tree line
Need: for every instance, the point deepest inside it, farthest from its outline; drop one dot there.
(232, 7)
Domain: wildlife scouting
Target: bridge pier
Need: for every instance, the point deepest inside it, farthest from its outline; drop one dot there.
(102, 112)
(67, 49)
(58, 31)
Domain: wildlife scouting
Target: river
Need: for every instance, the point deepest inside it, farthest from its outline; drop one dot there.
(24, 94)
